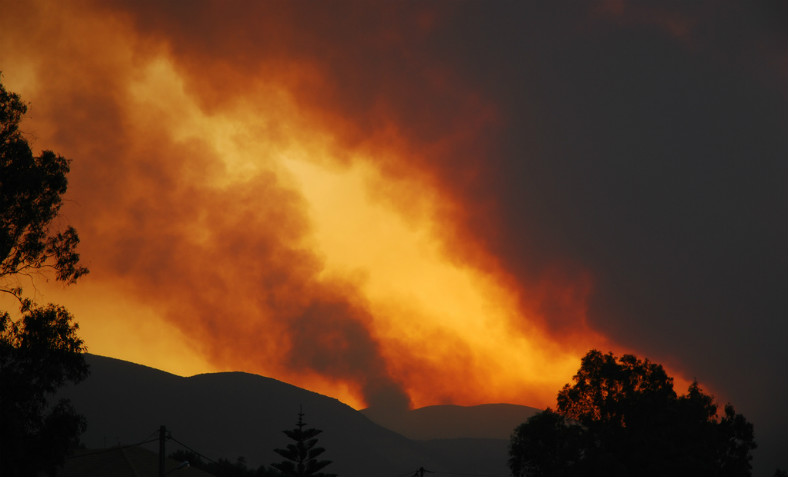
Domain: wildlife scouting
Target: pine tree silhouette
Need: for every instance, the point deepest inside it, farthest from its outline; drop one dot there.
(302, 455)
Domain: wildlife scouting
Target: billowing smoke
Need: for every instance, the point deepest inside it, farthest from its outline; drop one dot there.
(230, 264)
(617, 170)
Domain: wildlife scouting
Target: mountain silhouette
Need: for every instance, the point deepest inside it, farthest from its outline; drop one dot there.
(472, 438)
(485, 421)
(231, 415)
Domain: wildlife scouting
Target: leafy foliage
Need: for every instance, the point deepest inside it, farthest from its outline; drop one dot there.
(38, 354)
(622, 417)
(545, 445)
(31, 189)
(302, 456)
(39, 350)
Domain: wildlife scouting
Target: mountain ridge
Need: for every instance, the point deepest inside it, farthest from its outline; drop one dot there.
(451, 421)
(232, 414)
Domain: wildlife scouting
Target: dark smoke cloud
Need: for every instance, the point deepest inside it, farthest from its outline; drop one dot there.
(634, 154)
(333, 339)
(230, 266)
(643, 146)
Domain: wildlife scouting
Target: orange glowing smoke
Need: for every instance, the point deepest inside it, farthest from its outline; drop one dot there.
(246, 203)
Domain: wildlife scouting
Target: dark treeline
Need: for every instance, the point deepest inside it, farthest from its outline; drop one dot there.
(223, 467)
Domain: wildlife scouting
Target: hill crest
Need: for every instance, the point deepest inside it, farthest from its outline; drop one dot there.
(232, 414)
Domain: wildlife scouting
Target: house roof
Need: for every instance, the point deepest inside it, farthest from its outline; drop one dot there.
(123, 462)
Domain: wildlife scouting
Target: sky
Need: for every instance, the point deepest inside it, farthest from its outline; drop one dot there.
(415, 203)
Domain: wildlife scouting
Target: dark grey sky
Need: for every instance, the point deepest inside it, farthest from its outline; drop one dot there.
(658, 160)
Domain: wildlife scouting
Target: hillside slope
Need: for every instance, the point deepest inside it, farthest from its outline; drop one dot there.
(231, 415)
(234, 414)
(486, 421)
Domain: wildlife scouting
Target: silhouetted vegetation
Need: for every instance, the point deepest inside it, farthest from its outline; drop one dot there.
(302, 456)
(223, 467)
(622, 417)
(39, 347)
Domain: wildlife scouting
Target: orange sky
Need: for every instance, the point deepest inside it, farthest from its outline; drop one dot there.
(230, 224)
(261, 191)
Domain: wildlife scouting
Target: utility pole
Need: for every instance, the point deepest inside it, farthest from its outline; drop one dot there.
(162, 438)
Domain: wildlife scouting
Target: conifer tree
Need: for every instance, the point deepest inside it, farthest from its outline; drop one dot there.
(302, 456)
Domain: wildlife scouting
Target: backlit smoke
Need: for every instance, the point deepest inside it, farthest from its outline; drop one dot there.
(416, 203)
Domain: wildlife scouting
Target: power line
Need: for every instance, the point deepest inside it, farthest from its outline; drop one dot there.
(111, 449)
(470, 475)
(420, 472)
(372, 474)
(191, 449)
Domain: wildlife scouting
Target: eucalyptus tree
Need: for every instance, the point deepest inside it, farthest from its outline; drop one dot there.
(621, 416)
(39, 347)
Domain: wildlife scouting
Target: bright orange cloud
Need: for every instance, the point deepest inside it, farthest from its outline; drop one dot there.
(421, 202)
(241, 208)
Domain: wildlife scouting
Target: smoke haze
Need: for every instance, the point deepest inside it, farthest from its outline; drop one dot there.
(422, 202)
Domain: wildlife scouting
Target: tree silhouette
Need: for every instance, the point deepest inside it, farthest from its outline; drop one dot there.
(622, 417)
(546, 445)
(39, 349)
(302, 455)
(30, 198)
